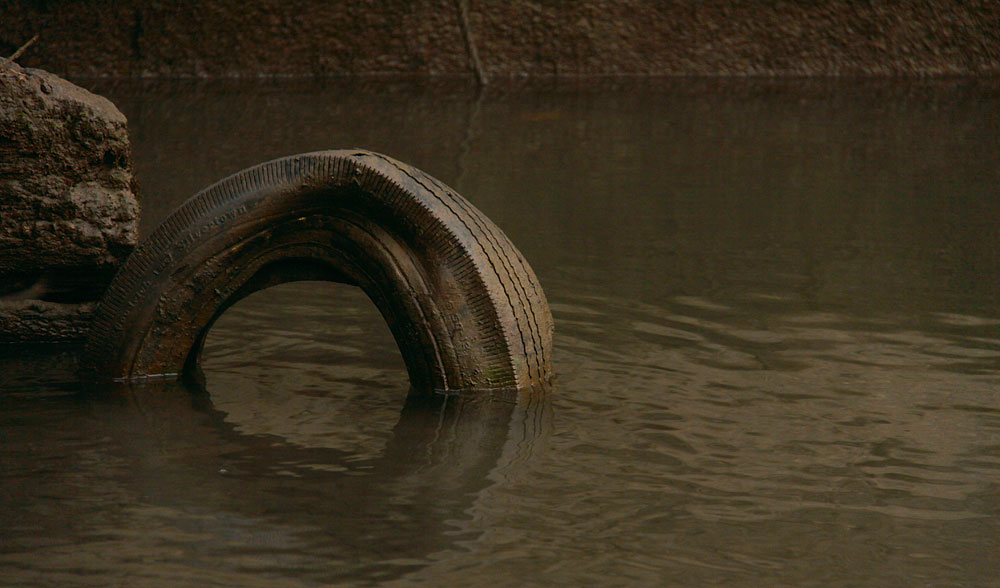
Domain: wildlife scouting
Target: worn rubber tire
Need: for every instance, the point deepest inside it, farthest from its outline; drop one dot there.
(462, 303)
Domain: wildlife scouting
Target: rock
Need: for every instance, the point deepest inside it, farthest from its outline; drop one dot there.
(68, 208)
(37, 320)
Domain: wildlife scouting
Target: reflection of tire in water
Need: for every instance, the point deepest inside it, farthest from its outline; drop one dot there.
(462, 303)
(242, 497)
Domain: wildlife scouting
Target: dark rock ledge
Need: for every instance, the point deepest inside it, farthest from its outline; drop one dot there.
(68, 208)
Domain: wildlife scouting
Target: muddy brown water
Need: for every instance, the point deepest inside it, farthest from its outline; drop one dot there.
(777, 308)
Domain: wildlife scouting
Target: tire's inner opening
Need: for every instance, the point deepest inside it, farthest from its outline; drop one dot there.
(311, 362)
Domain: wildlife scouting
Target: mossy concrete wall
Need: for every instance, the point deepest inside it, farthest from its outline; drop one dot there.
(512, 37)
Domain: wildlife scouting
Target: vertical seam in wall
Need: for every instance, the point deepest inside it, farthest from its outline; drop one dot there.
(470, 43)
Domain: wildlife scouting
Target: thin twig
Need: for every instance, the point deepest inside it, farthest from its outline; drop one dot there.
(470, 44)
(17, 53)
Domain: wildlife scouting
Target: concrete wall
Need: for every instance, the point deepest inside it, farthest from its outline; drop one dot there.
(512, 37)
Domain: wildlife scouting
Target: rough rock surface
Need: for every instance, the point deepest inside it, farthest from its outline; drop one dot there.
(514, 37)
(68, 210)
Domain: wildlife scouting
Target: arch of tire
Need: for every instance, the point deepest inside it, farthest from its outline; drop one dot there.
(464, 306)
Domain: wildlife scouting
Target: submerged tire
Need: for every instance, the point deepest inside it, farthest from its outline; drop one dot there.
(462, 303)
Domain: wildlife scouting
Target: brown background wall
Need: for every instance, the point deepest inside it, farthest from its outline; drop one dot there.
(513, 37)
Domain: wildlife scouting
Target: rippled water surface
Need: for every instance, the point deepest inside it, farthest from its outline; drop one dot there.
(777, 314)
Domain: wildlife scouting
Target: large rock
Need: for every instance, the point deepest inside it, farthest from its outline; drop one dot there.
(68, 209)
